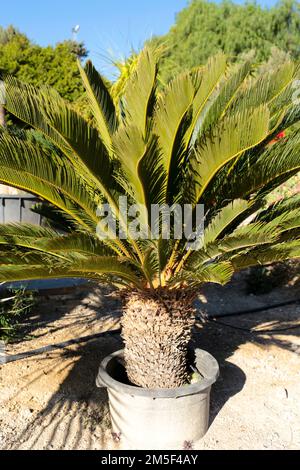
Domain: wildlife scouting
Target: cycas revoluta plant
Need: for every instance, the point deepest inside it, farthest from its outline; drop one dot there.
(203, 139)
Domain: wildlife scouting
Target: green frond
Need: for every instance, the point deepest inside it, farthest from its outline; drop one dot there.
(251, 235)
(110, 266)
(150, 264)
(89, 154)
(223, 219)
(46, 175)
(219, 273)
(101, 102)
(28, 265)
(164, 250)
(54, 217)
(53, 179)
(288, 220)
(43, 109)
(126, 68)
(272, 254)
(141, 164)
(291, 116)
(275, 165)
(85, 243)
(207, 91)
(227, 90)
(27, 231)
(264, 88)
(52, 243)
(25, 236)
(229, 139)
(171, 120)
(277, 208)
(207, 137)
(139, 93)
(245, 237)
(11, 273)
(26, 102)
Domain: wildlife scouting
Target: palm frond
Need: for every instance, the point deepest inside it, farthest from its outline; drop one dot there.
(139, 93)
(233, 136)
(85, 243)
(276, 164)
(112, 267)
(49, 242)
(207, 137)
(43, 109)
(264, 88)
(88, 151)
(25, 101)
(207, 91)
(171, 120)
(219, 273)
(287, 220)
(272, 254)
(18, 265)
(101, 102)
(54, 217)
(242, 238)
(227, 90)
(277, 208)
(223, 219)
(26, 236)
(47, 176)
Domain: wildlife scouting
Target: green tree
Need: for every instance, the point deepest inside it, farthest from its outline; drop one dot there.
(53, 66)
(205, 138)
(204, 28)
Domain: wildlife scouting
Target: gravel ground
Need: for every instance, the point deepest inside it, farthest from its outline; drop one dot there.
(50, 401)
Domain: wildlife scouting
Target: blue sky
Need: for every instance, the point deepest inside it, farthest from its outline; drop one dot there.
(108, 28)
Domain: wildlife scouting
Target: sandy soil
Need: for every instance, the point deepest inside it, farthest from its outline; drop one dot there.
(49, 401)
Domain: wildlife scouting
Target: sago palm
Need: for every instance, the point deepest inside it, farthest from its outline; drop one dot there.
(205, 138)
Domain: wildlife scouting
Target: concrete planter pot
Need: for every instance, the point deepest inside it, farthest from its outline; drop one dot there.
(158, 419)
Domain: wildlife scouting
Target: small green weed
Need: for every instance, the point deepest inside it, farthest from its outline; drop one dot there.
(14, 304)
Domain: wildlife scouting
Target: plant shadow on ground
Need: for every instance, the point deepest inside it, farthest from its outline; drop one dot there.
(264, 328)
(77, 415)
(77, 412)
(77, 311)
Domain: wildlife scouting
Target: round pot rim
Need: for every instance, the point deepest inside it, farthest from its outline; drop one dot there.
(104, 379)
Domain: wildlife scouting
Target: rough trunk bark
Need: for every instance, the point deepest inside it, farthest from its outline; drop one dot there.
(156, 331)
(2, 116)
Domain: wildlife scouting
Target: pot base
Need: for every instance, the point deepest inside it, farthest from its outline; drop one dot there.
(158, 419)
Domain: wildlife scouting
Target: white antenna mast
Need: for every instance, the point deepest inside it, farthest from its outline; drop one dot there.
(75, 31)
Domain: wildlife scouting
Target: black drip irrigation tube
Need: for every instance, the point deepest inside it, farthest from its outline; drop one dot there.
(254, 310)
(260, 309)
(63, 345)
(85, 339)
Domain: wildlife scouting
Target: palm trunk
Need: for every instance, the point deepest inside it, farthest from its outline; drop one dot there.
(156, 332)
(2, 116)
